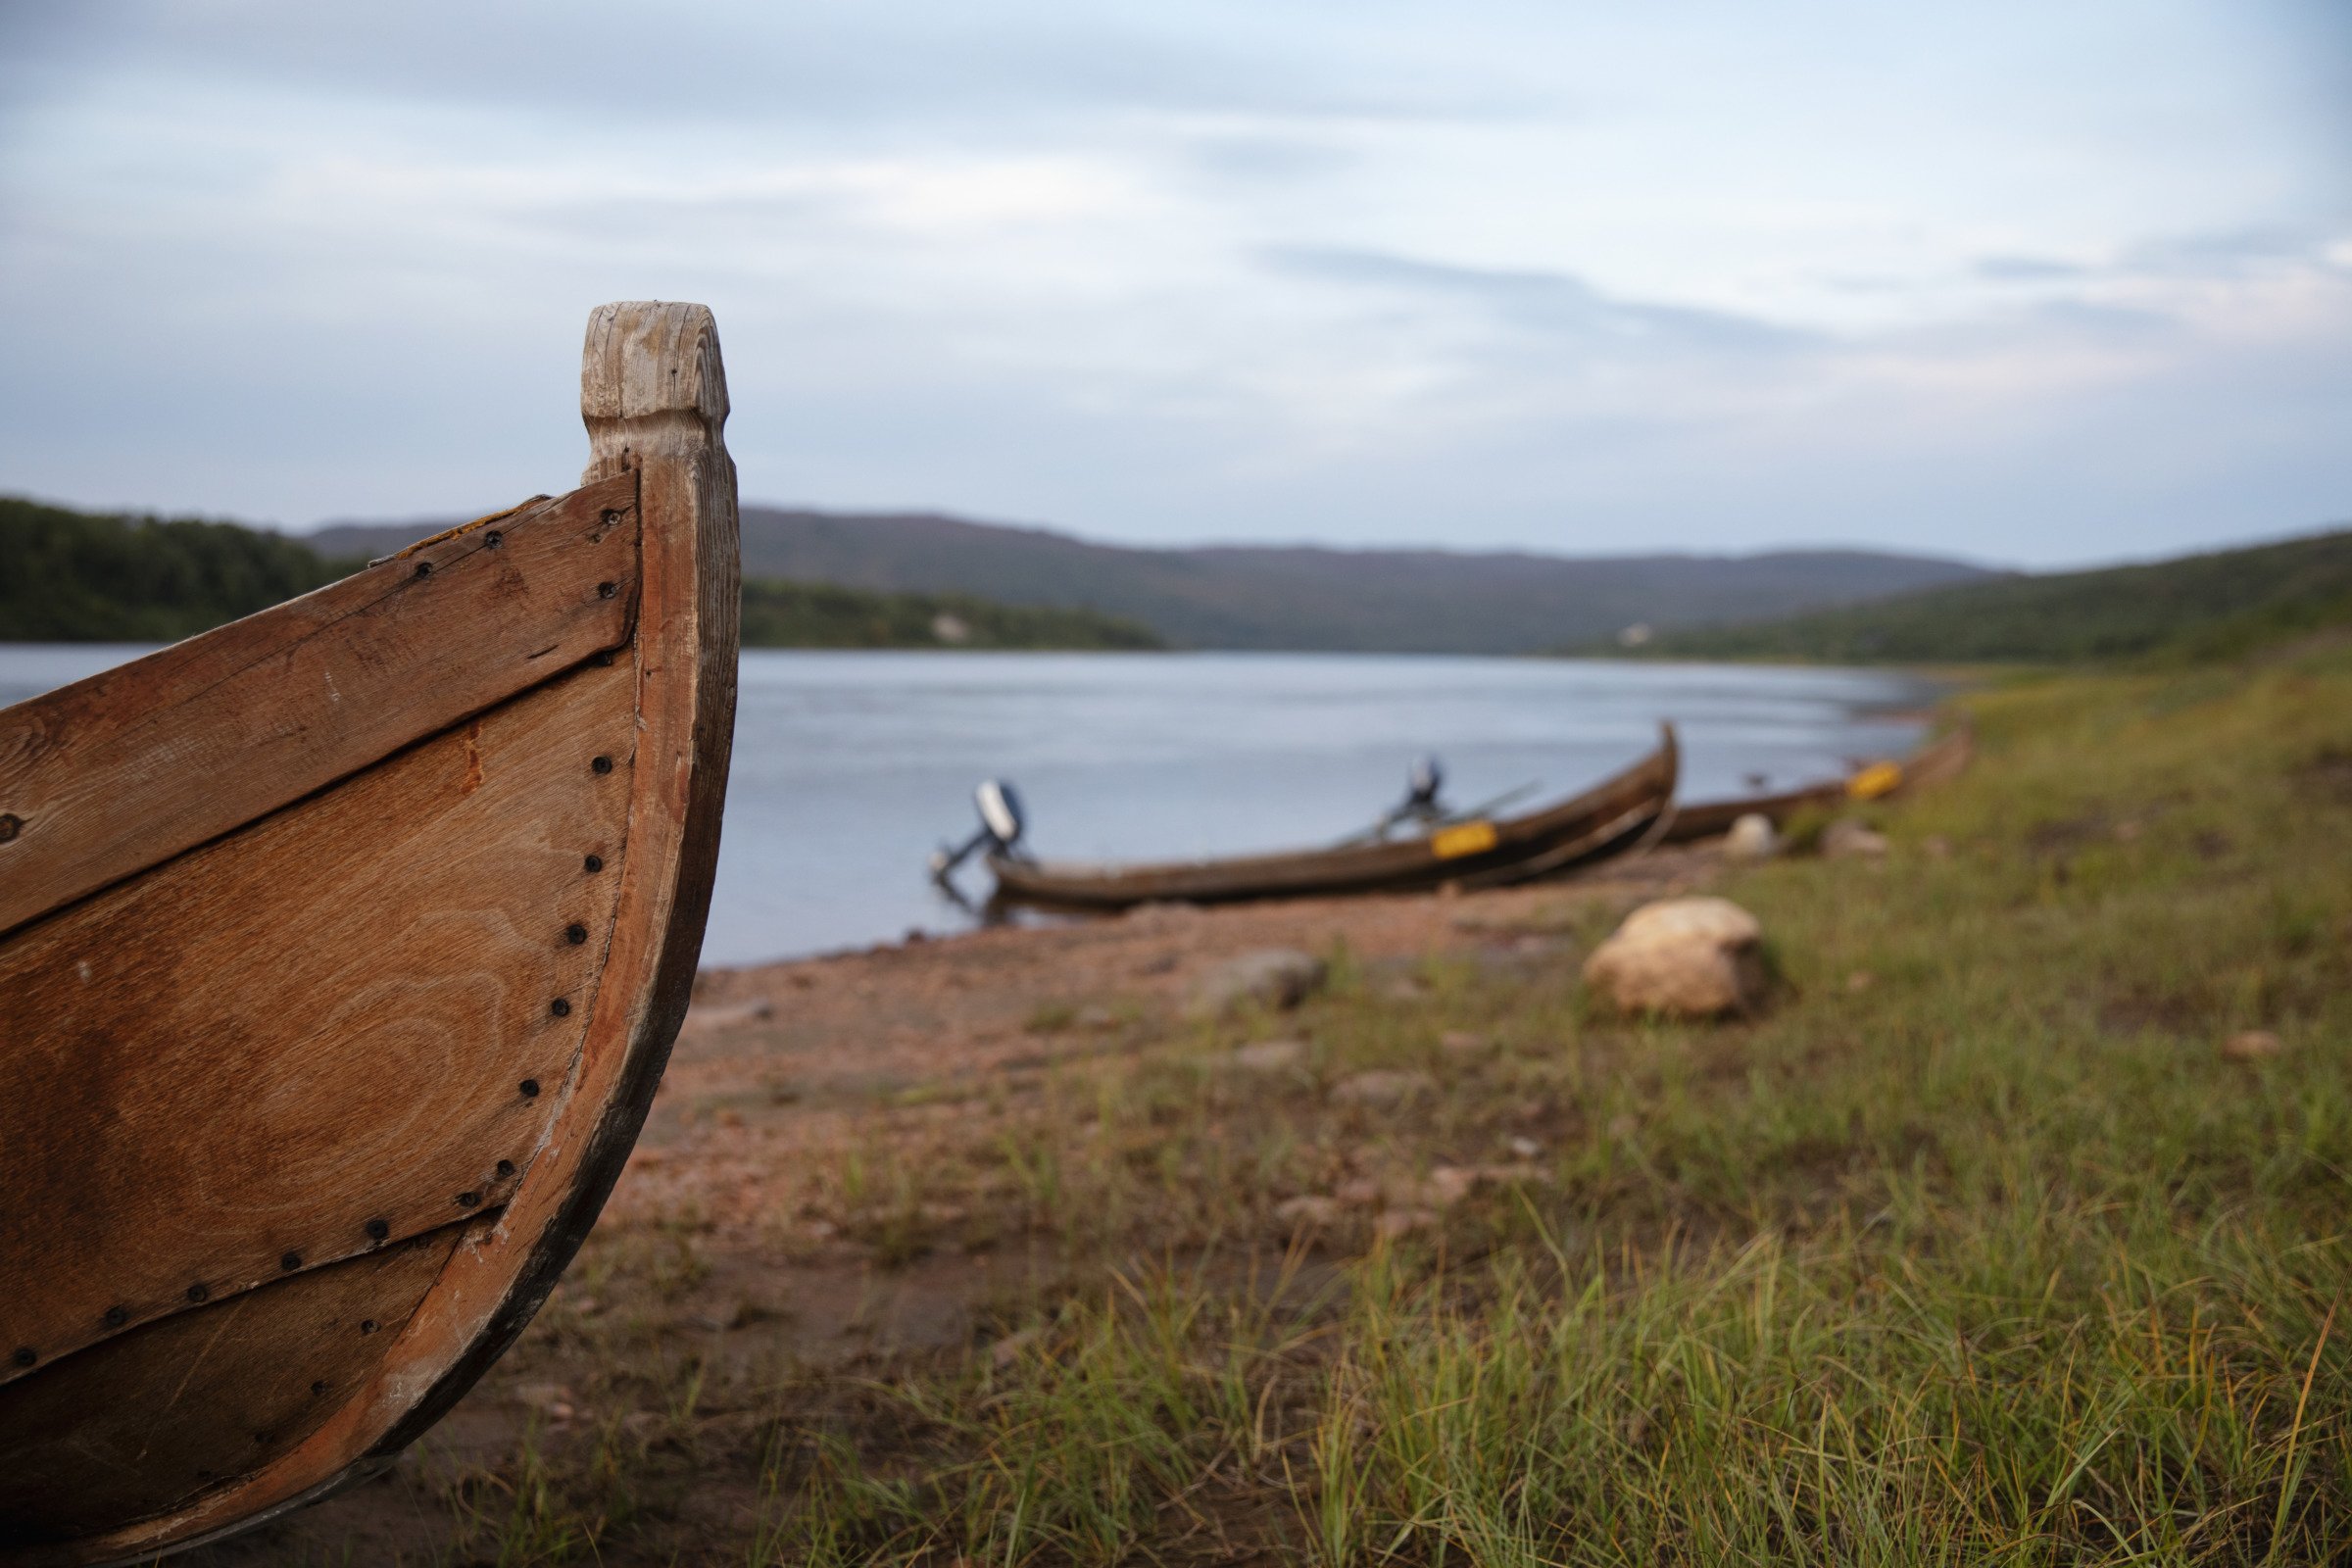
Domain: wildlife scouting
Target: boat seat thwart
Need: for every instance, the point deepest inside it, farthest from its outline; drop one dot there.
(341, 950)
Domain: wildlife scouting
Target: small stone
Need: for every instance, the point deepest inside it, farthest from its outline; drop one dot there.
(1845, 840)
(1448, 1185)
(1007, 1350)
(1269, 977)
(546, 1399)
(1401, 1222)
(1271, 1055)
(2252, 1044)
(1308, 1210)
(1524, 1147)
(709, 1017)
(1461, 1043)
(1383, 1088)
(1751, 839)
(1687, 957)
(1358, 1191)
(1859, 981)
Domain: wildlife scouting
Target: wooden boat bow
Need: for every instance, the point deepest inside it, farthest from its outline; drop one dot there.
(341, 950)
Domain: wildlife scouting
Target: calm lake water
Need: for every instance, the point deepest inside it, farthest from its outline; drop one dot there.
(851, 766)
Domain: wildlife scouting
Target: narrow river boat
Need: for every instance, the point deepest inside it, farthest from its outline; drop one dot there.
(1941, 760)
(341, 950)
(1613, 816)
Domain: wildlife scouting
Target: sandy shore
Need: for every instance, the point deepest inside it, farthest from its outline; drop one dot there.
(779, 1061)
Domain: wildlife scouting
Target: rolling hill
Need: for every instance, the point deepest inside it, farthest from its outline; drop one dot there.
(2211, 604)
(1252, 597)
(81, 576)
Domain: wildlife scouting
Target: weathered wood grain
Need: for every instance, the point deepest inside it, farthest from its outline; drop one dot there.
(113, 774)
(146, 1422)
(655, 400)
(316, 1037)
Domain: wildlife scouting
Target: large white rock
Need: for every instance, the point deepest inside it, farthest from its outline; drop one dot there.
(1691, 957)
(1845, 840)
(1751, 838)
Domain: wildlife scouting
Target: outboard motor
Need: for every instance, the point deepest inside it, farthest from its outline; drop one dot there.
(1421, 785)
(1001, 827)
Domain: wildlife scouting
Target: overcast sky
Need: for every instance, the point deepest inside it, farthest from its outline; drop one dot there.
(2028, 282)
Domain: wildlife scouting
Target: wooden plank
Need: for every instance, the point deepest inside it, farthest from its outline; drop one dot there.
(147, 1422)
(113, 774)
(654, 395)
(320, 1035)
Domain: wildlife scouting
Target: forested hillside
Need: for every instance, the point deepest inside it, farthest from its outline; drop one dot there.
(77, 576)
(1296, 597)
(777, 613)
(2205, 605)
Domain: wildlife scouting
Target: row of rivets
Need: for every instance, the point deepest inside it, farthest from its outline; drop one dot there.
(379, 1230)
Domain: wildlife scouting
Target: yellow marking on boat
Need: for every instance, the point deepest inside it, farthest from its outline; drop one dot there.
(1878, 778)
(1465, 838)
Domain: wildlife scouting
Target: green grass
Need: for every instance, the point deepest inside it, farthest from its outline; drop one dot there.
(1995, 1260)
(1972, 1248)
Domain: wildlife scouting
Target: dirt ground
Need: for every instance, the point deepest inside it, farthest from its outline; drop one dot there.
(735, 1251)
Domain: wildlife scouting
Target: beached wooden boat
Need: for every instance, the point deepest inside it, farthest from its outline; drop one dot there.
(1611, 816)
(1930, 765)
(341, 950)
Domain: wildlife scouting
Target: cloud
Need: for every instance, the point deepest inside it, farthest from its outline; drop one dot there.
(2027, 269)
(1547, 302)
(1343, 269)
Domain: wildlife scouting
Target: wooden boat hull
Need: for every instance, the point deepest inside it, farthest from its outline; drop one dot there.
(1605, 819)
(1929, 765)
(341, 950)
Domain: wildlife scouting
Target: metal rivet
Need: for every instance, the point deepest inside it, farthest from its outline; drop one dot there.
(611, 518)
(425, 569)
(199, 1292)
(603, 765)
(468, 1200)
(606, 590)
(575, 934)
(25, 1355)
(495, 539)
(10, 825)
(290, 1262)
(506, 1167)
(117, 1316)
(367, 1325)
(559, 1007)
(594, 862)
(529, 1088)
(378, 1229)
(603, 660)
